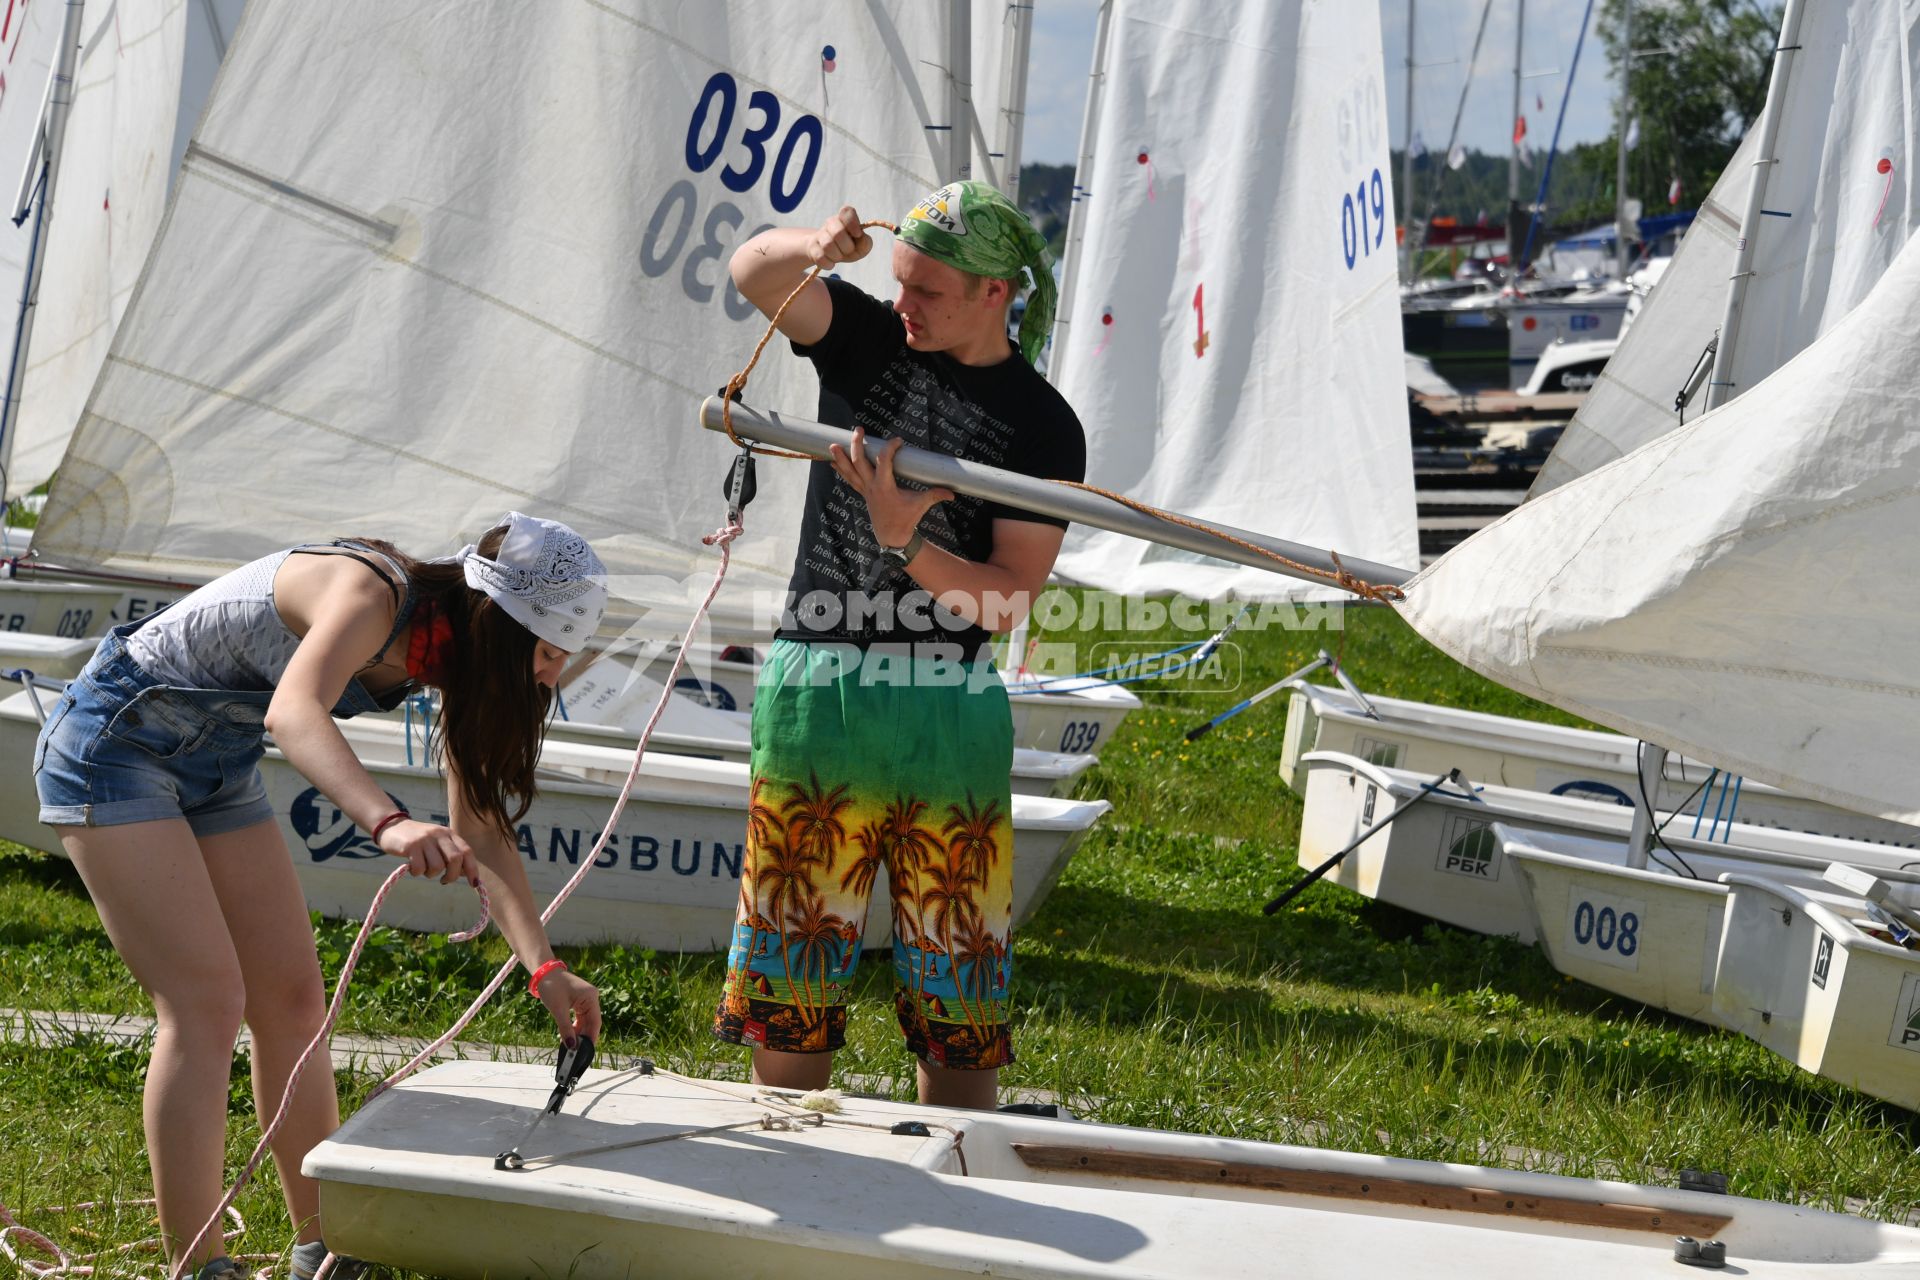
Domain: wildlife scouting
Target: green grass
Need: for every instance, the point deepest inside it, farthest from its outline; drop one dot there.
(1151, 989)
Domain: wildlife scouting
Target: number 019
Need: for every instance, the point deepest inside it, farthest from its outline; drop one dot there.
(1363, 219)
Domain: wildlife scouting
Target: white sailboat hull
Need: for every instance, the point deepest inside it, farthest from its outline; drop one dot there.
(1080, 720)
(1799, 977)
(1423, 738)
(1035, 773)
(1443, 858)
(410, 1181)
(1783, 964)
(45, 655)
(64, 609)
(668, 880)
(609, 705)
(1646, 935)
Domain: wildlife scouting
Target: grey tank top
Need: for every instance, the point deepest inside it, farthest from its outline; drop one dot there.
(230, 635)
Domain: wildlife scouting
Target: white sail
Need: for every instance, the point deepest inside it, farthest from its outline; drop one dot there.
(1633, 400)
(417, 272)
(146, 67)
(1737, 589)
(1234, 345)
(1841, 201)
(30, 41)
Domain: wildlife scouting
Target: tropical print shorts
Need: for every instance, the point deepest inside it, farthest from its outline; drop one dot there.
(869, 768)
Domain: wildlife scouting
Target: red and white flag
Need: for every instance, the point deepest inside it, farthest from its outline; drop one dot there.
(1673, 190)
(1519, 129)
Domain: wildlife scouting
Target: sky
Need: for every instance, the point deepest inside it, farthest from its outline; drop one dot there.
(1063, 54)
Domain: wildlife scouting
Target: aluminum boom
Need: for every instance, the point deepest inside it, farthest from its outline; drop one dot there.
(1046, 498)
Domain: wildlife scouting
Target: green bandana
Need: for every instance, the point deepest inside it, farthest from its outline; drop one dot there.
(971, 226)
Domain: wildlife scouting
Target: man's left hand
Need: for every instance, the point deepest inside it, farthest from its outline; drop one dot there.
(894, 511)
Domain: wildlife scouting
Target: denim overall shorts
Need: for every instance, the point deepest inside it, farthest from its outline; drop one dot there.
(119, 746)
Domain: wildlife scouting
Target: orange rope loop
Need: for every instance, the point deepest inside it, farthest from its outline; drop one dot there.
(1379, 592)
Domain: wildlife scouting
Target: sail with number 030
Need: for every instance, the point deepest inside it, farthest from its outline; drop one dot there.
(1842, 197)
(419, 271)
(1233, 340)
(144, 70)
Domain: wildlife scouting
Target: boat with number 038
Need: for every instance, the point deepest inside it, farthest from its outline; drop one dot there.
(704, 1179)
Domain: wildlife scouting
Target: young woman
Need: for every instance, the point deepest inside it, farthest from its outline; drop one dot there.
(148, 770)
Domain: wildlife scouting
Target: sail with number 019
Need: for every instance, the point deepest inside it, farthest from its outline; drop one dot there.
(1231, 334)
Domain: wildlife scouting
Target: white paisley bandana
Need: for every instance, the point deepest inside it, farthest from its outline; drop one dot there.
(547, 579)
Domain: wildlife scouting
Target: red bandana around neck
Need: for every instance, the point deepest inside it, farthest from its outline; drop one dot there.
(428, 643)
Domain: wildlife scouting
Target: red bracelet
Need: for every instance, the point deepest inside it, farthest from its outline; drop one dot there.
(398, 815)
(533, 984)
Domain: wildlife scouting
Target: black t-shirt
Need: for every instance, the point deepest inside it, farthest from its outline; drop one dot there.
(1004, 415)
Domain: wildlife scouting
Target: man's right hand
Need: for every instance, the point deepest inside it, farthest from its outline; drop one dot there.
(839, 240)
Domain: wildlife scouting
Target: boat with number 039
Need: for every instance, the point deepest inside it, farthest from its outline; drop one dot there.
(1068, 716)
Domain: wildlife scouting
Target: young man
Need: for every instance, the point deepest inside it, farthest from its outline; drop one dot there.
(881, 734)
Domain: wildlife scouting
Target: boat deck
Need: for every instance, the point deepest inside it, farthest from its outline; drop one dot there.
(683, 1174)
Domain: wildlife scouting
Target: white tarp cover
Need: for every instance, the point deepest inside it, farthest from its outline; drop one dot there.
(419, 271)
(1241, 188)
(1835, 220)
(1739, 589)
(146, 67)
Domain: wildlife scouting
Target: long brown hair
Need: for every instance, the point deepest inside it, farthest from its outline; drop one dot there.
(493, 713)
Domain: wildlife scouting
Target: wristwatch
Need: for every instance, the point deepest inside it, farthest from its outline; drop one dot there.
(901, 557)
